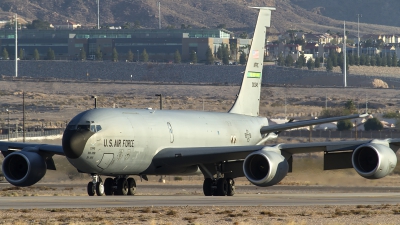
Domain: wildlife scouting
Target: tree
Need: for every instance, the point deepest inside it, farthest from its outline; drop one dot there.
(344, 125)
(209, 57)
(281, 60)
(225, 54)
(5, 54)
(114, 55)
(383, 61)
(50, 54)
(242, 58)
(356, 60)
(289, 61)
(378, 60)
(301, 61)
(38, 25)
(82, 55)
(317, 63)
(373, 124)
(341, 62)
(126, 25)
(136, 24)
(310, 64)
(177, 57)
(350, 107)
(329, 65)
(233, 50)
(373, 61)
(36, 55)
(394, 60)
(351, 59)
(243, 35)
(21, 54)
(362, 60)
(130, 56)
(145, 56)
(219, 52)
(193, 57)
(389, 60)
(221, 26)
(98, 54)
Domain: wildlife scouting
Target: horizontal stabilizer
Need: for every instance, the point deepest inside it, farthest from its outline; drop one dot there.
(305, 123)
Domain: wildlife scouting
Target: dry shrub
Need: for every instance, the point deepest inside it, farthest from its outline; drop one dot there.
(172, 213)
(267, 213)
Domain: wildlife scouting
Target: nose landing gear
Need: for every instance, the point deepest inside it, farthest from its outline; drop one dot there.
(95, 186)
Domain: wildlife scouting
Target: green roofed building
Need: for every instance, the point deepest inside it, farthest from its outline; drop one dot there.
(160, 44)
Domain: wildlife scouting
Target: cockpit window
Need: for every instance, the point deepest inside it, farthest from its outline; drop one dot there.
(71, 127)
(98, 128)
(83, 127)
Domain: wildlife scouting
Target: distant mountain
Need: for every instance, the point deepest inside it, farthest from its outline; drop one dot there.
(307, 15)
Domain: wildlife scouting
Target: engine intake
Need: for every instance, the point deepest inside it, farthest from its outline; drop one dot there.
(266, 167)
(24, 168)
(373, 161)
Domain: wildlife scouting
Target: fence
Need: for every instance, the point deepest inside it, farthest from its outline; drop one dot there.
(30, 134)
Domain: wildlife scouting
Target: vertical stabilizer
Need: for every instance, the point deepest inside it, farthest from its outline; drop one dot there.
(248, 99)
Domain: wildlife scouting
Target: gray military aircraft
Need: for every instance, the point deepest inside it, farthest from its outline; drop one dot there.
(222, 146)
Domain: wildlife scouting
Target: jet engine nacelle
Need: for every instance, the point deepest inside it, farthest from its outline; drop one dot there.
(24, 168)
(373, 161)
(266, 167)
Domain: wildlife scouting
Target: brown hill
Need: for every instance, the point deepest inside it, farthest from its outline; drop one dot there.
(235, 14)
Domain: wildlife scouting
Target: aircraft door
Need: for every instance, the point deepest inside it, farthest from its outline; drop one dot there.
(171, 133)
(106, 161)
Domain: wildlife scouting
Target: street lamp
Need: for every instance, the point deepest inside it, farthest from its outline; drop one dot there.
(160, 95)
(131, 78)
(138, 59)
(8, 134)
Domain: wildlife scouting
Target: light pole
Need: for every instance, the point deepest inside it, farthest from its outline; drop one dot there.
(8, 121)
(358, 34)
(131, 78)
(95, 101)
(138, 56)
(160, 95)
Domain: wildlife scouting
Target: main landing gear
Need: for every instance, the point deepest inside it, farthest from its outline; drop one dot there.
(121, 185)
(219, 187)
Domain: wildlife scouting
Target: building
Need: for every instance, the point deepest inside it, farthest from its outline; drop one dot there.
(160, 44)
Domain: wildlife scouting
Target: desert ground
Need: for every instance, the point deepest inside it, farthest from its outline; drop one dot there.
(55, 103)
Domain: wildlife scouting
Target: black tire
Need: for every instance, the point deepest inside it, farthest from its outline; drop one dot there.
(91, 190)
(207, 187)
(108, 186)
(122, 186)
(100, 188)
(131, 186)
(222, 187)
(231, 187)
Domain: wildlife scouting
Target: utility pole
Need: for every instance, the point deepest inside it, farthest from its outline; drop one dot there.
(16, 46)
(344, 54)
(160, 95)
(358, 34)
(8, 136)
(23, 116)
(98, 14)
(159, 15)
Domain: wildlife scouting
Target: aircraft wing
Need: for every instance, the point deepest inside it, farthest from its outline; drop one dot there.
(305, 123)
(9, 147)
(205, 155)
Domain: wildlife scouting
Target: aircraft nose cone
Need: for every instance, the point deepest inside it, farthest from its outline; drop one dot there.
(74, 142)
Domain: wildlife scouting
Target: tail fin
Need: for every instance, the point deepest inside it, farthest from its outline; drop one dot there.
(248, 99)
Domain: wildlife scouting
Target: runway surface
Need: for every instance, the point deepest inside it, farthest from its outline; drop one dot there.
(272, 196)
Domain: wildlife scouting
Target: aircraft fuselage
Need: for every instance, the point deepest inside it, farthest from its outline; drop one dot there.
(124, 141)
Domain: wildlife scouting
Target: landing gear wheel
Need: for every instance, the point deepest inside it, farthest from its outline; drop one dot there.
(122, 186)
(91, 189)
(108, 186)
(231, 186)
(222, 187)
(207, 187)
(131, 186)
(100, 188)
